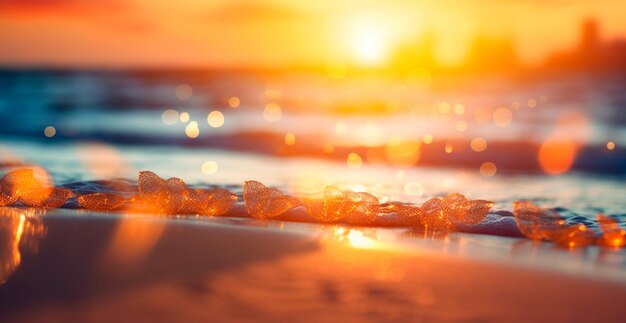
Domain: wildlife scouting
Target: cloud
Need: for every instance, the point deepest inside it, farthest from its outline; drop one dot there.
(37, 8)
(241, 11)
(115, 15)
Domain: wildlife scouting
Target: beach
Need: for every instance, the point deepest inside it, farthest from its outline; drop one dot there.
(275, 161)
(106, 267)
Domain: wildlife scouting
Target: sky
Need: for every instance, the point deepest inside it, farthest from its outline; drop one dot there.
(260, 33)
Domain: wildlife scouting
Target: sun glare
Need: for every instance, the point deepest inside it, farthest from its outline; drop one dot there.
(369, 41)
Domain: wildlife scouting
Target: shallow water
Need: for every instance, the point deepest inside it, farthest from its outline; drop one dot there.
(579, 197)
(111, 103)
(109, 125)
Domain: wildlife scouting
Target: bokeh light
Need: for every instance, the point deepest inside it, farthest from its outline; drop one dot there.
(502, 117)
(557, 155)
(215, 119)
(290, 139)
(209, 167)
(478, 144)
(610, 145)
(102, 160)
(482, 116)
(488, 169)
(341, 128)
(413, 189)
(354, 161)
(449, 183)
(50, 131)
(402, 152)
(459, 109)
(444, 108)
(234, 102)
(460, 125)
(170, 117)
(272, 112)
(192, 130)
(184, 117)
(184, 92)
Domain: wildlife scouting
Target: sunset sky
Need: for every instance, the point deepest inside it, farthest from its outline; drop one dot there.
(222, 33)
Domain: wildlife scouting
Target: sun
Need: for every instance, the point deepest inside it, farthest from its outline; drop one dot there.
(368, 39)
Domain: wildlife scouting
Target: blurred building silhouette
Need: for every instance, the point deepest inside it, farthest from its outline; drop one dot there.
(485, 55)
(591, 53)
(418, 53)
(488, 55)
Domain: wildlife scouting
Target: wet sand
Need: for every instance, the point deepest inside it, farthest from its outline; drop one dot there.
(93, 267)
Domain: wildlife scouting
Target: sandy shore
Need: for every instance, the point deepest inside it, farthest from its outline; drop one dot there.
(92, 267)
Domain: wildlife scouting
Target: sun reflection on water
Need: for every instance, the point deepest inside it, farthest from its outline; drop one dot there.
(354, 238)
(131, 243)
(19, 229)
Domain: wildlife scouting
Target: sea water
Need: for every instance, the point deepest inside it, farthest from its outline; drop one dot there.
(110, 124)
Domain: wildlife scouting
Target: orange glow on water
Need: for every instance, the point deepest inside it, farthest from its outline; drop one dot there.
(102, 160)
(354, 161)
(290, 139)
(557, 155)
(19, 229)
(132, 242)
(402, 153)
(357, 239)
(612, 234)
(418, 78)
(336, 71)
(11, 228)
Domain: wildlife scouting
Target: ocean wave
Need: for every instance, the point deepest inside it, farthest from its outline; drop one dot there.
(171, 197)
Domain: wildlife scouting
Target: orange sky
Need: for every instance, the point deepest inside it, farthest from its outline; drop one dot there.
(223, 33)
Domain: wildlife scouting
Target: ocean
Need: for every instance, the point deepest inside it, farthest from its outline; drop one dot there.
(414, 139)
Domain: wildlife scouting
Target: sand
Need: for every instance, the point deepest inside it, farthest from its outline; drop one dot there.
(94, 267)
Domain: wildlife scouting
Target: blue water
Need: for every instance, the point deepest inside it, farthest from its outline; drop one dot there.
(108, 125)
